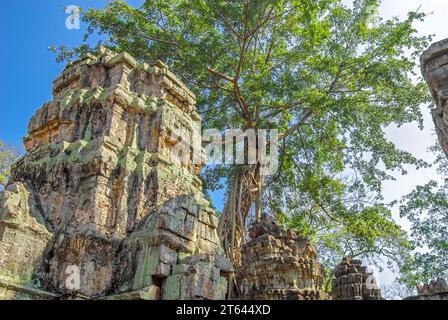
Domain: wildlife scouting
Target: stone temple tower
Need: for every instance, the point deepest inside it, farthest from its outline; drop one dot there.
(434, 67)
(353, 281)
(277, 264)
(103, 204)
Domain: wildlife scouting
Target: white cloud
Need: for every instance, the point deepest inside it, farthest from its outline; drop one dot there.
(410, 137)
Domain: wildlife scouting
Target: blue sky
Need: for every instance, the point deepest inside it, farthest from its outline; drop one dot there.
(27, 69)
(27, 29)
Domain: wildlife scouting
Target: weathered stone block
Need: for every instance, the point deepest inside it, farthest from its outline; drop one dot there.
(101, 188)
(272, 267)
(180, 268)
(172, 289)
(167, 255)
(353, 283)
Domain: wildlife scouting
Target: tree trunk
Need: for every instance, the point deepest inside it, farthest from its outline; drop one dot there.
(243, 192)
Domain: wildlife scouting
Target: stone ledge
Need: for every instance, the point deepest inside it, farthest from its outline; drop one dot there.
(27, 290)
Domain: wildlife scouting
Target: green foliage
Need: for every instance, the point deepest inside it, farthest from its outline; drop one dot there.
(7, 155)
(342, 221)
(315, 69)
(427, 209)
(397, 291)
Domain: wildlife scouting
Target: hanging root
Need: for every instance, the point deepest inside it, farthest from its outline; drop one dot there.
(243, 191)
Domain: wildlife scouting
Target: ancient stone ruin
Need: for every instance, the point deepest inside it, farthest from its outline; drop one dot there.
(101, 205)
(353, 281)
(434, 67)
(436, 290)
(276, 264)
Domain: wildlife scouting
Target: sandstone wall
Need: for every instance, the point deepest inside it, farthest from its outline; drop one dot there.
(276, 264)
(435, 290)
(104, 186)
(354, 282)
(434, 67)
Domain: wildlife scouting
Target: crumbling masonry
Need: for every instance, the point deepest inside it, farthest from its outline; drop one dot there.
(102, 190)
(353, 281)
(276, 264)
(436, 290)
(434, 67)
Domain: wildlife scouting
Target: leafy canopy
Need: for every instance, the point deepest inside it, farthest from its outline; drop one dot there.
(427, 209)
(319, 71)
(7, 155)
